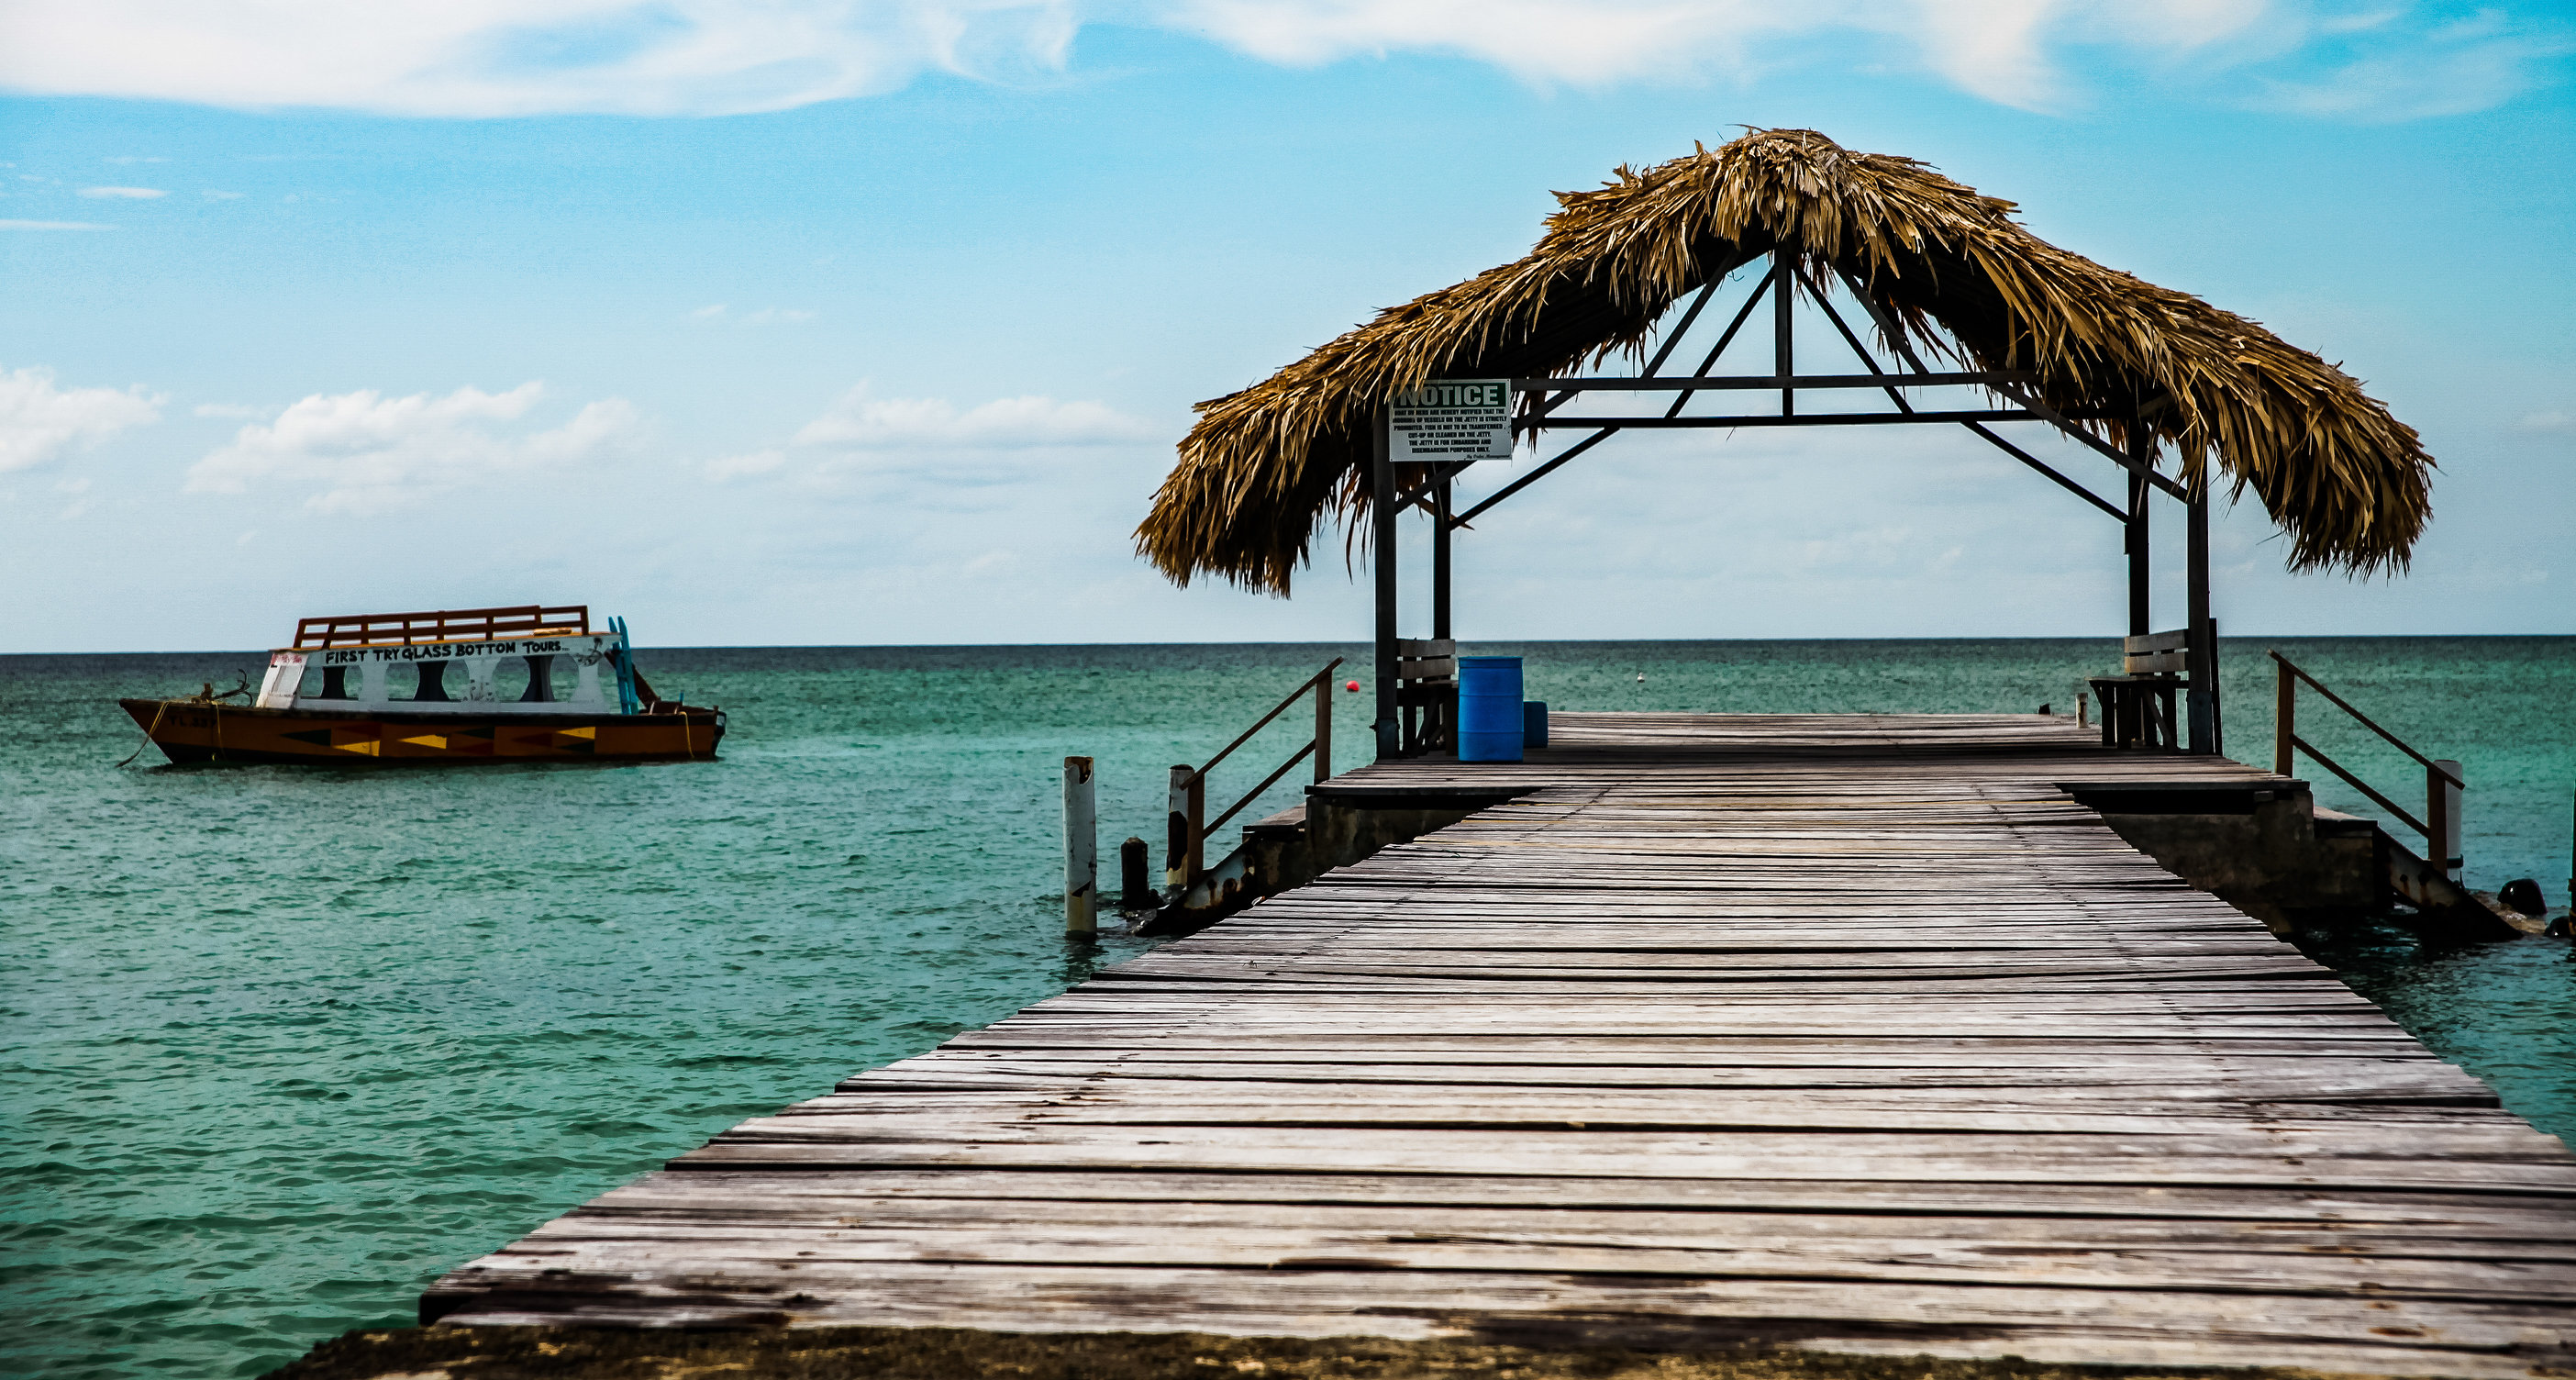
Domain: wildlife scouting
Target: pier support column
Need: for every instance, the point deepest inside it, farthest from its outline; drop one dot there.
(2202, 649)
(2143, 451)
(1440, 556)
(1382, 536)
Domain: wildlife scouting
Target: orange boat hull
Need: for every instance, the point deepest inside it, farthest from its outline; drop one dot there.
(193, 731)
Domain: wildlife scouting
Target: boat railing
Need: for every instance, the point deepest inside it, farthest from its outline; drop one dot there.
(2440, 825)
(1186, 860)
(443, 625)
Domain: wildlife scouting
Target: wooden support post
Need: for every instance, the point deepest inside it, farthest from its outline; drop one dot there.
(1081, 849)
(1440, 556)
(2442, 815)
(1135, 884)
(1382, 536)
(2285, 718)
(2201, 644)
(1180, 840)
(1324, 725)
(2141, 451)
(1783, 358)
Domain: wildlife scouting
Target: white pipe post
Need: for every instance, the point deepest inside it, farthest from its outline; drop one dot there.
(1081, 849)
(2448, 821)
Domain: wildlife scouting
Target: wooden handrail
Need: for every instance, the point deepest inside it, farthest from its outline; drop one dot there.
(2440, 825)
(2393, 740)
(1264, 721)
(1189, 829)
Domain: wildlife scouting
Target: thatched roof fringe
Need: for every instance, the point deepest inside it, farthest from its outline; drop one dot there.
(1265, 465)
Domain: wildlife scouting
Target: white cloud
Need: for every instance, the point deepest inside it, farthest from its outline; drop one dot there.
(734, 467)
(482, 58)
(52, 225)
(369, 454)
(477, 58)
(123, 193)
(708, 313)
(862, 421)
(213, 195)
(39, 421)
(2552, 420)
(2391, 65)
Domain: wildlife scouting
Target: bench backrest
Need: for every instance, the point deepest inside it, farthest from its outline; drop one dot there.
(1426, 658)
(2156, 653)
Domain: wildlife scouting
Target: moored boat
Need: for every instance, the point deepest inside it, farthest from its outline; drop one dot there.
(532, 682)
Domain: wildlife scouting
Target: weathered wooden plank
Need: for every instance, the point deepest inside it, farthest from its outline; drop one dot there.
(1845, 1030)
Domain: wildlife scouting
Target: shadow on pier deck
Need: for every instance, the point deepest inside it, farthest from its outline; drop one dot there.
(1852, 1033)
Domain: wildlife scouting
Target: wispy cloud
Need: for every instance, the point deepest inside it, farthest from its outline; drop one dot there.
(39, 421)
(732, 467)
(860, 420)
(2410, 62)
(123, 193)
(933, 442)
(711, 57)
(766, 316)
(53, 225)
(441, 58)
(363, 453)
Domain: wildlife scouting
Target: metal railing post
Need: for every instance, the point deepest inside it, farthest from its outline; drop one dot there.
(2285, 718)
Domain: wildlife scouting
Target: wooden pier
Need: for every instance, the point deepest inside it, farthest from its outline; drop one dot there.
(1845, 1032)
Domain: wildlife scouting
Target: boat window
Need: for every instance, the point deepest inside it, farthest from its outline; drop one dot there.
(318, 683)
(402, 680)
(566, 674)
(510, 679)
(541, 683)
(433, 681)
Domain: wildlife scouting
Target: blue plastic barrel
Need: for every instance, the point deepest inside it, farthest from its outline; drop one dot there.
(1489, 709)
(1533, 723)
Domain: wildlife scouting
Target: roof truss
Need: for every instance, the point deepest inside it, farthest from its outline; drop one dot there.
(1780, 284)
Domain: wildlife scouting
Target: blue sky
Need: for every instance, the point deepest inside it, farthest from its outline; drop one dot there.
(866, 323)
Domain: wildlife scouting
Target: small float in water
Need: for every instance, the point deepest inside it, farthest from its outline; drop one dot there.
(531, 683)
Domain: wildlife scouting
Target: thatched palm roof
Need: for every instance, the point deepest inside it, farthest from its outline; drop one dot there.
(2348, 482)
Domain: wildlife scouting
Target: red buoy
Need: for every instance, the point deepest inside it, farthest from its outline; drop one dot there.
(1350, 685)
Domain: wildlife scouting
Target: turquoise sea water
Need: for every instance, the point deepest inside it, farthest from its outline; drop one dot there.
(279, 1044)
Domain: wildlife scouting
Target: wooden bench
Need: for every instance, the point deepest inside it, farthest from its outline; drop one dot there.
(1426, 694)
(2138, 704)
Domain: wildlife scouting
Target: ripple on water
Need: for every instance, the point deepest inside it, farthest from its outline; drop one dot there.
(283, 1044)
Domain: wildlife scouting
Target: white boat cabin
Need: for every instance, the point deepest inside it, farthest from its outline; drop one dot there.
(531, 659)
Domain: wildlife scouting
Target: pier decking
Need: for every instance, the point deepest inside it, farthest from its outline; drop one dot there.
(1850, 1032)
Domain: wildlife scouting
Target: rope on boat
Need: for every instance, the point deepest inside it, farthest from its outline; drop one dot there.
(164, 708)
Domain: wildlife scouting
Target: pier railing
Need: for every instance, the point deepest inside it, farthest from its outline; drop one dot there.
(443, 625)
(2440, 825)
(1186, 859)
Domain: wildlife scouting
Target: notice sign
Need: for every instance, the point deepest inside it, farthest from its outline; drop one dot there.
(1452, 420)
